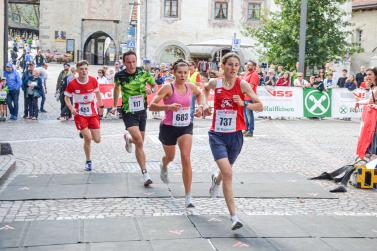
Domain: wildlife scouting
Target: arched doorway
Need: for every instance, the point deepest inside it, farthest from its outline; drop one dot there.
(100, 49)
(172, 53)
(218, 55)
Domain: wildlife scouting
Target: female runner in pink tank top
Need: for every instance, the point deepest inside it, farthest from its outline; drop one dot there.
(177, 124)
(225, 135)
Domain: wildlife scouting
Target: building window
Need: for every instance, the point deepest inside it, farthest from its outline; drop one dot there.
(221, 10)
(171, 8)
(253, 11)
(359, 36)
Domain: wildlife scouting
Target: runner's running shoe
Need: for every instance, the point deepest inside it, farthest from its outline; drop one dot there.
(88, 166)
(188, 202)
(164, 174)
(214, 189)
(237, 224)
(127, 138)
(147, 178)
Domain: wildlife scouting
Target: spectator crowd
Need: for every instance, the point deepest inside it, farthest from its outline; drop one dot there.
(29, 74)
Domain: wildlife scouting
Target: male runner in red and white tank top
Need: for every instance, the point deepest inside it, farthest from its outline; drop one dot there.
(85, 93)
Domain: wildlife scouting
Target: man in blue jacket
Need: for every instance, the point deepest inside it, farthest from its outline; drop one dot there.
(14, 84)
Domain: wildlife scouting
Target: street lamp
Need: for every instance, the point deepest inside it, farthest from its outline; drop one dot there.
(138, 26)
(302, 45)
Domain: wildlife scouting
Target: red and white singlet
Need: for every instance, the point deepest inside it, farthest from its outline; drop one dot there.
(228, 116)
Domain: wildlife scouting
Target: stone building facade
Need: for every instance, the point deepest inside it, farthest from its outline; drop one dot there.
(1, 36)
(364, 19)
(198, 29)
(93, 29)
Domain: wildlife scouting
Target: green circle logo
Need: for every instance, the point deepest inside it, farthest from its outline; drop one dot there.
(317, 103)
(343, 109)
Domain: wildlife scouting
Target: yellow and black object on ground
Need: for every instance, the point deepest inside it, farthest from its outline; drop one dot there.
(364, 178)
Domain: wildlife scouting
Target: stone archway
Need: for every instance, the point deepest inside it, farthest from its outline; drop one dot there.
(171, 53)
(219, 53)
(100, 49)
(173, 48)
(216, 58)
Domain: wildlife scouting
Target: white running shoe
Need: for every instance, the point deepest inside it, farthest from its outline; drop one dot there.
(127, 137)
(164, 174)
(147, 179)
(188, 202)
(214, 189)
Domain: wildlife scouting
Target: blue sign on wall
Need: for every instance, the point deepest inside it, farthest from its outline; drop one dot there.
(131, 43)
(132, 31)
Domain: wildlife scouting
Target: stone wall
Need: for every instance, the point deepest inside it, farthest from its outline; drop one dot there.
(1, 37)
(80, 19)
(195, 23)
(59, 15)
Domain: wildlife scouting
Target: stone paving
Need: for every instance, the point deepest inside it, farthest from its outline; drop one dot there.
(304, 146)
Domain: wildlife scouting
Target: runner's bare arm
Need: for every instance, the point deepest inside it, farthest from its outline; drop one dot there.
(164, 92)
(116, 96)
(99, 99)
(68, 103)
(150, 88)
(154, 87)
(196, 91)
(207, 87)
(198, 94)
(257, 103)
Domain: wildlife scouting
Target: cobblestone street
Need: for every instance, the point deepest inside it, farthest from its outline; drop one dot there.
(306, 147)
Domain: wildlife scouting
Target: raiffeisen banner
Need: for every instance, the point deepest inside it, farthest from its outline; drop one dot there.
(343, 103)
(281, 101)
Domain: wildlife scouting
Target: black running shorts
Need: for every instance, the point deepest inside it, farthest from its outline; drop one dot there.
(170, 134)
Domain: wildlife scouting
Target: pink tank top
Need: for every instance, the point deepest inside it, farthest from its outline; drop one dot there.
(182, 117)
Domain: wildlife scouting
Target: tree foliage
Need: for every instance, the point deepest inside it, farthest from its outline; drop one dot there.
(327, 33)
(25, 13)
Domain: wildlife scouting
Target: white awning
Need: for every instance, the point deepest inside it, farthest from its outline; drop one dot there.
(223, 43)
(200, 51)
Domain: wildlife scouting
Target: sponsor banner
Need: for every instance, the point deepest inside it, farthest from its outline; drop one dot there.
(281, 101)
(343, 103)
(107, 92)
(316, 103)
